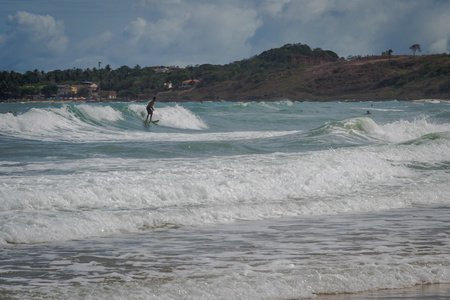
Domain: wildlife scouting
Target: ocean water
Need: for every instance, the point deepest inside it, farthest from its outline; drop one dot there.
(222, 200)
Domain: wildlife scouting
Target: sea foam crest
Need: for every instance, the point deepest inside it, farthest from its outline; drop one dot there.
(172, 116)
(397, 132)
(40, 122)
(100, 113)
(215, 190)
(59, 123)
(351, 130)
(402, 131)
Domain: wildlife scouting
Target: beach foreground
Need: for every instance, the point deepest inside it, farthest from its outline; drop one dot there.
(433, 291)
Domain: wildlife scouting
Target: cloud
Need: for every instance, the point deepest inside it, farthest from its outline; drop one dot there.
(91, 50)
(32, 39)
(193, 32)
(435, 30)
(190, 32)
(43, 33)
(136, 29)
(354, 27)
(440, 46)
(180, 32)
(273, 7)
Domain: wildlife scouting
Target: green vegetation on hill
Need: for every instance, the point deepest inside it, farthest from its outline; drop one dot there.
(327, 78)
(294, 71)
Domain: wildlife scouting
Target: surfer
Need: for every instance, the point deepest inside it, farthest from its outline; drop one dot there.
(150, 109)
(368, 113)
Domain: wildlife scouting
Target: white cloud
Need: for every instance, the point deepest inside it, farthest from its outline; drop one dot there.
(435, 30)
(136, 29)
(39, 32)
(32, 41)
(183, 32)
(273, 7)
(89, 51)
(353, 27)
(440, 46)
(193, 32)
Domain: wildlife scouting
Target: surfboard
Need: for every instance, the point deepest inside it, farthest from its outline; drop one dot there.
(147, 123)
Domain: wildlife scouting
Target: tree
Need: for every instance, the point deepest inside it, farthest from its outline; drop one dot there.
(50, 90)
(83, 92)
(28, 91)
(414, 48)
(31, 77)
(387, 53)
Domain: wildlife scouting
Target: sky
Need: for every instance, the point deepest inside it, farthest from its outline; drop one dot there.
(65, 34)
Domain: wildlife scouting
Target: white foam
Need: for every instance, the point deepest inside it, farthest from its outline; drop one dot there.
(275, 259)
(363, 124)
(276, 105)
(397, 131)
(56, 124)
(35, 121)
(62, 124)
(401, 131)
(100, 113)
(115, 195)
(107, 197)
(179, 117)
(172, 116)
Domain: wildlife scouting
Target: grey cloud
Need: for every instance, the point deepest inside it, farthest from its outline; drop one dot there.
(182, 32)
(42, 32)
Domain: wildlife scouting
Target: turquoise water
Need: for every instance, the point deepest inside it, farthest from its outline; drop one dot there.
(222, 200)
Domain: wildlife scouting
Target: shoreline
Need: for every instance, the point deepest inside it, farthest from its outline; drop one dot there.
(431, 100)
(419, 292)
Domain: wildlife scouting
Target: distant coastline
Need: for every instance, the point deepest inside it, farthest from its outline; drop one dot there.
(293, 72)
(432, 100)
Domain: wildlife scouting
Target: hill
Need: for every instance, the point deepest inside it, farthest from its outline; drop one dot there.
(315, 79)
(294, 71)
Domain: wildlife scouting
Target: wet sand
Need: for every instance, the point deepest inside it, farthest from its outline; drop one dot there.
(433, 291)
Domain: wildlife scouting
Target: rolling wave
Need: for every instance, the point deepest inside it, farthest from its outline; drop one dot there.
(125, 122)
(397, 132)
(131, 178)
(109, 196)
(87, 122)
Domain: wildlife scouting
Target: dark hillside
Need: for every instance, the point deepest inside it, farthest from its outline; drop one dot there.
(309, 78)
(294, 71)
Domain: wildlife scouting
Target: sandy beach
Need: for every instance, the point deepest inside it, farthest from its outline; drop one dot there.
(433, 291)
